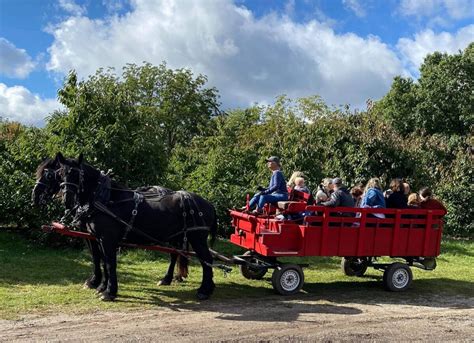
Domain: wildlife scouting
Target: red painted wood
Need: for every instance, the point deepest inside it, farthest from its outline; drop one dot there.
(406, 232)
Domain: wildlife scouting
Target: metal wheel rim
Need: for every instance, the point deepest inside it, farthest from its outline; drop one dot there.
(290, 280)
(400, 278)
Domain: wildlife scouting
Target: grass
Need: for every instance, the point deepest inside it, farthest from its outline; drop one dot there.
(37, 280)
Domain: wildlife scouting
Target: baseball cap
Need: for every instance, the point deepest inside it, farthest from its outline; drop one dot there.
(273, 159)
(337, 181)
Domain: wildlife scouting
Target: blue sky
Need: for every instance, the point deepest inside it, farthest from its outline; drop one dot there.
(344, 50)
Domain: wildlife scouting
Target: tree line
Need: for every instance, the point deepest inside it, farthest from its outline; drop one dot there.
(156, 126)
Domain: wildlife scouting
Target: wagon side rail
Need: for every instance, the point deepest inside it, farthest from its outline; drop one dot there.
(424, 228)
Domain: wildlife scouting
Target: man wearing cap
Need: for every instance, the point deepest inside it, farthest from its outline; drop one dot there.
(276, 190)
(340, 197)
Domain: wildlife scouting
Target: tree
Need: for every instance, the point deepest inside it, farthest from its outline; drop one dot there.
(132, 123)
(442, 101)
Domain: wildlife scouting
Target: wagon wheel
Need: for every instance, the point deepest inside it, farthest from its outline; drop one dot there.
(353, 266)
(252, 273)
(288, 279)
(397, 277)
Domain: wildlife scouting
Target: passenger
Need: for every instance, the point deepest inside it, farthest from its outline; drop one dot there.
(340, 197)
(413, 204)
(373, 196)
(276, 190)
(324, 191)
(356, 193)
(291, 182)
(428, 202)
(413, 201)
(397, 198)
(406, 188)
(300, 185)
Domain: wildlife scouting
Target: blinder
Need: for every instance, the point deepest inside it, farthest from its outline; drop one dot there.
(67, 184)
(47, 180)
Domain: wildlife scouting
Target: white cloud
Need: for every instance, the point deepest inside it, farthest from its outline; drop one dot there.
(356, 7)
(113, 6)
(71, 7)
(17, 103)
(455, 9)
(246, 58)
(14, 62)
(414, 50)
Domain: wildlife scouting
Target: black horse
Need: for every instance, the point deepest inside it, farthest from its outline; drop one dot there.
(116, 213)
(47, 186)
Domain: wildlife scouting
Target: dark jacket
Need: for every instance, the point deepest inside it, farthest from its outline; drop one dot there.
(397, 200)
(341, 198)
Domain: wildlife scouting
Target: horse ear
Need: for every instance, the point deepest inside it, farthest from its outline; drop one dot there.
(80, 159)
(60, 158)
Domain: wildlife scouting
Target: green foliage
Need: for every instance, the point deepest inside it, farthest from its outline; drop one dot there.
(131, 123)
(442, 101)
(457, 192)
(20, 150)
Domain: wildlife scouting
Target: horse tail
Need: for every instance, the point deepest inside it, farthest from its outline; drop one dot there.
(182, 267)
(213, 230)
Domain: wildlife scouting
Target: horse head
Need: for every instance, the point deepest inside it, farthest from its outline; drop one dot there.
(79, 181)
(47, 182)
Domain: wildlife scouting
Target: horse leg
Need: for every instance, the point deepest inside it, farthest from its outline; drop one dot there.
(201, 249)
(166, 280)
(110, 257)
(96, 278)
(103, 285)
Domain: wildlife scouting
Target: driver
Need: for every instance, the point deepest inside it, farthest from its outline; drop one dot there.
(276, 190)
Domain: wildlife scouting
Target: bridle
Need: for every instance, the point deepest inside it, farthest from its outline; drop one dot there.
(65, 186)
(47, 181)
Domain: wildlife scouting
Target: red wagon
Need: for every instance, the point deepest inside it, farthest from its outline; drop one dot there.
(358, 235)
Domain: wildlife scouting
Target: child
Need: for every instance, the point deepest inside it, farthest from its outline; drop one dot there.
(300, 186)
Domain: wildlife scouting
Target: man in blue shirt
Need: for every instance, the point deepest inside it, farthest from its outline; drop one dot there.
(276, 190)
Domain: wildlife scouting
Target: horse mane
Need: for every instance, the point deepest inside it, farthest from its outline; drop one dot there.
(48, 162)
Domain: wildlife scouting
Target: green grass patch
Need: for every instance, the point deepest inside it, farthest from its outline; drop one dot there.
(39, 280)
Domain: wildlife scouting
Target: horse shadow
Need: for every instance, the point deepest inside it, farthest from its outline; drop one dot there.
(243, 308)
(241, 302)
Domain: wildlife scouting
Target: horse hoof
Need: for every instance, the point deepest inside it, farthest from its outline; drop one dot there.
(100, 290)
(107, 297)
(90, 284)
(202, 296)
(164, 282)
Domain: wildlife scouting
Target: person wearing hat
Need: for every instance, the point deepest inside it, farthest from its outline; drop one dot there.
(340, 197)
(276, 190)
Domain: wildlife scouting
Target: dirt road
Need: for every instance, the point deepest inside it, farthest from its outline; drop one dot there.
(301, 318)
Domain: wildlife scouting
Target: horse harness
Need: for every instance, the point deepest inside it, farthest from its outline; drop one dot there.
(102, 198)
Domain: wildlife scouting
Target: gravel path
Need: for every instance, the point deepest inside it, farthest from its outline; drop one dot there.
(300, 318)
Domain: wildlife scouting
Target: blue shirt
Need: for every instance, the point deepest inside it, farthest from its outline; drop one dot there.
(373, 198)
(277, 184)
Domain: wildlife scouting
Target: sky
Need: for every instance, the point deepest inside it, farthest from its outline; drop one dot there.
(252, 51)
